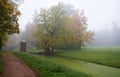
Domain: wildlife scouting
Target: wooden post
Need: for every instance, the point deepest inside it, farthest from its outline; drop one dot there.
(23, 46)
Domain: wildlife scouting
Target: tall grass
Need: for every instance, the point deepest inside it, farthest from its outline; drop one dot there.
(46, 68)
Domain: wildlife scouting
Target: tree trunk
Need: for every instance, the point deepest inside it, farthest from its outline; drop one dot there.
(49, 50)
(0, 42)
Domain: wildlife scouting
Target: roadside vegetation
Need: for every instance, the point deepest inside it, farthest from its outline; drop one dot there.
(46, 68)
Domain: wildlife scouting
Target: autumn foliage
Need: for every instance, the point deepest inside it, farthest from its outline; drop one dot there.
(56, 27)
(8, 19)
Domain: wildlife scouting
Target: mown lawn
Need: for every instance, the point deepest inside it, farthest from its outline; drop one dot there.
(105, 56)
(96, 70)
(46, 68)
(88, 61)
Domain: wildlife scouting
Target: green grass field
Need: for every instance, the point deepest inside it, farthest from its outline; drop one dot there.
(94, 69)
(105, 56)
(47, 68)
(96, 62)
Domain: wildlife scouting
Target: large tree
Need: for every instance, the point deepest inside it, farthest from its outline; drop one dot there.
(8, 19)
(51, 24)
(59, 24)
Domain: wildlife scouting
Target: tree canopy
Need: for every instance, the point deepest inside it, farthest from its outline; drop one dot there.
(51, 24)
(8, 19)
(61, 25)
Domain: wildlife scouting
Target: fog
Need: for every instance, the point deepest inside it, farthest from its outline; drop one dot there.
(100, 13)
(103, 19)
(107, 37)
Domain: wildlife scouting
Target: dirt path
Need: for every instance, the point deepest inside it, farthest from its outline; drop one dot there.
(14, 67)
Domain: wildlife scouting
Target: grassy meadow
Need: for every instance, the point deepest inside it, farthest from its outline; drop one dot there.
(88, 62)
(105, 56)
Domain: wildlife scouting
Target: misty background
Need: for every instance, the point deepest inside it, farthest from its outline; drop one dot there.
(103, 20)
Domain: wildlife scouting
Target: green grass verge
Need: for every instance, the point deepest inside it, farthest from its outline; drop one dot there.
(47, 68)
(105, 56)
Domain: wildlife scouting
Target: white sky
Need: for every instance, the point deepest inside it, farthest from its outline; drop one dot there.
(100, 13)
